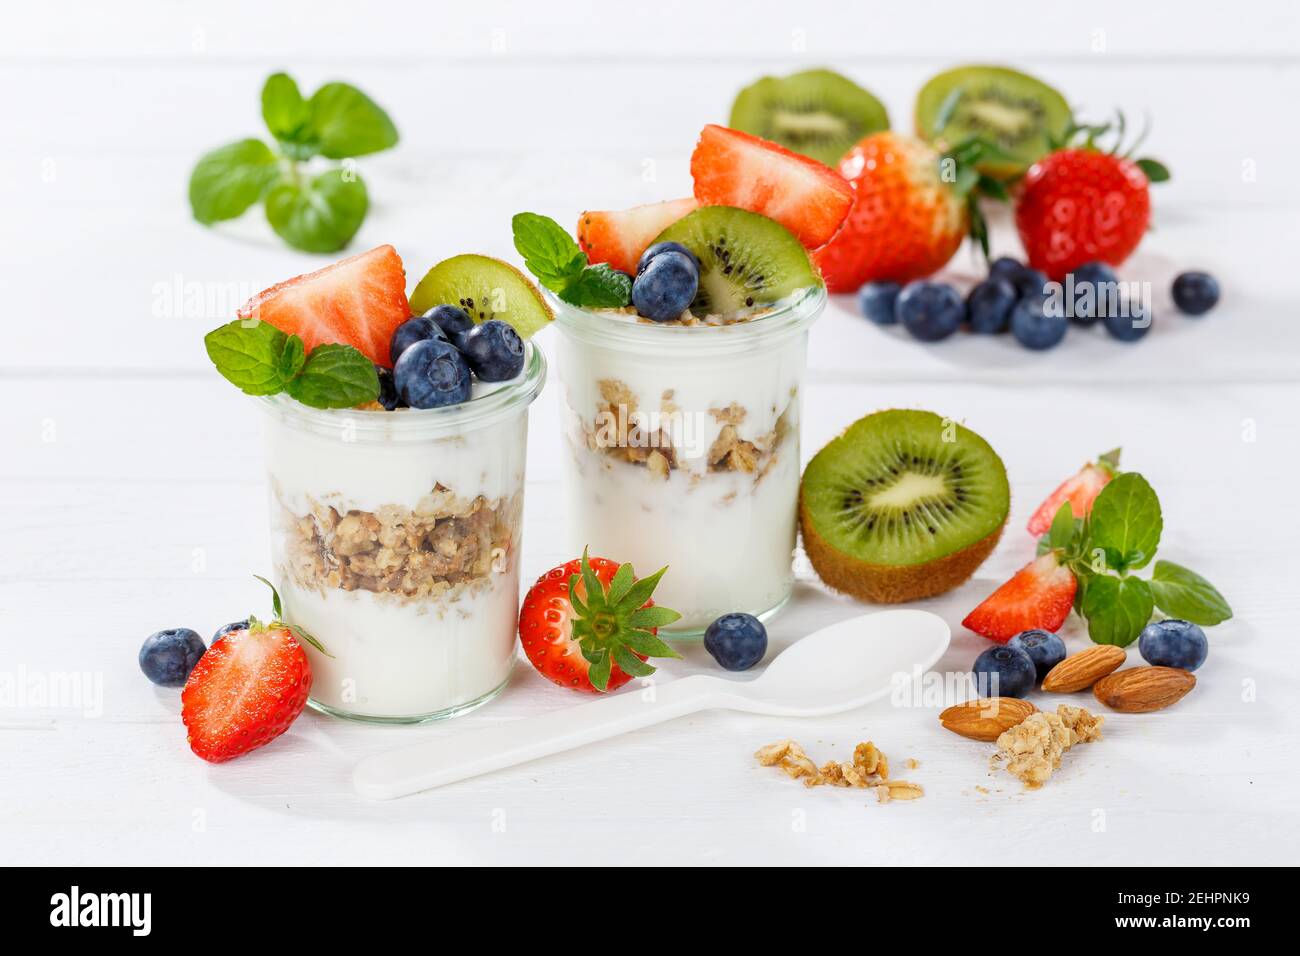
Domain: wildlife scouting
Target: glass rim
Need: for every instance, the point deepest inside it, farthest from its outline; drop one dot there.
(792, 314)
(415, 424)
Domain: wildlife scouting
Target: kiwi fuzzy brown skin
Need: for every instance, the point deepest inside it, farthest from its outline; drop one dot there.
(886, 584)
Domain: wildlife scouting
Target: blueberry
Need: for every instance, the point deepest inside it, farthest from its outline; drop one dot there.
(1095, 285)
(989, 305)
(1037, 327)
(876, 299)
(666, 286)
(737, 641)
(432, 373)
(1044, 648)
(1173, 643)
(415, 329)
(167, 657)
(1005, 268)
(493, 350)
(1196, 293)
(227, 628)
(930, 310)
(387, 388)
(453, 321)
(1129, 323)
(1030, 283)
(1008, 672)
(659, 247)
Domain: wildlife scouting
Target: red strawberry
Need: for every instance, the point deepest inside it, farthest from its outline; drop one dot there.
(245, 691)
(358, 301)
(1079, 490)
(905, 222)
(1081, 205)
(735, 169)
(1039, 595)
(590, 624)
(620, 237)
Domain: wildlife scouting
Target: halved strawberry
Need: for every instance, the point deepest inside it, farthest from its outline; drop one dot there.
(1080, 490)
(359, 301)
(1039, 595)
(736, 169)
(620, 236)
(245, 691)
(590, 624)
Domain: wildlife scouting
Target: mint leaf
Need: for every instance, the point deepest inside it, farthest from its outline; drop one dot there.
(346, 122)
(599, 287)
(249, 356)
(318, 216)
(335, 376)
(226, 181)
(1061, 533)
(549, 252)
(1117, 609)
(292, 358)
(1126, 522)
(288, 116)
(1181, 592)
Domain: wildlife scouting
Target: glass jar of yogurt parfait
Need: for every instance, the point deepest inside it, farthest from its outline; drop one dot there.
(395, 542)
(682, 449)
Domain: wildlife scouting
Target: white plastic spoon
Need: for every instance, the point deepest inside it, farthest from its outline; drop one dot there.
(838, 668)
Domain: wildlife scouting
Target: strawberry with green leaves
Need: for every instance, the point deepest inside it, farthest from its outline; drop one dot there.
(590, 624)
(1080, 490)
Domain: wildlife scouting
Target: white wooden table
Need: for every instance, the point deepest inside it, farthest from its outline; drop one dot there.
(133, 493)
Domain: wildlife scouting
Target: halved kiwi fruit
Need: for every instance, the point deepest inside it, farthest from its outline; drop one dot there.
(817, 113)
(485, 288)
(1014, 111)
(747, 261)
(903, 505)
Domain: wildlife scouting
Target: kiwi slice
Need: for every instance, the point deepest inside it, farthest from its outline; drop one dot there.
(817, 113)
(485, 288)
(747, 261)
(1012, 110)
(903, 505)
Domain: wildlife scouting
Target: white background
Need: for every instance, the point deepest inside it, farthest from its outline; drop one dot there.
(133, 492)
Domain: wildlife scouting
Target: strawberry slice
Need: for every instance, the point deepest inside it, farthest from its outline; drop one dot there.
(619, 237)
(590, 624)
(245, 691)
(1080, 490)
(736, 169)
(359, 302)
(1039, 595)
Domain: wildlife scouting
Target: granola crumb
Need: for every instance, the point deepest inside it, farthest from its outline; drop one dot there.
(912, 763)
(1033, 748)
(868, 770)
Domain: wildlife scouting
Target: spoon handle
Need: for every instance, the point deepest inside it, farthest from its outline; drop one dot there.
(463, 755)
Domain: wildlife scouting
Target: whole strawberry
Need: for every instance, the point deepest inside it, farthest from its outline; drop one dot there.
(1080, 204)
(907, 220)
(590, 624)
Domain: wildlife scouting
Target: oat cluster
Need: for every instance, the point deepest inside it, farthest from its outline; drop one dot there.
(1032, 749)
(868, 770)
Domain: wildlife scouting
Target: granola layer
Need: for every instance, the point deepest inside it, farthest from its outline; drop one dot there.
(443, 546)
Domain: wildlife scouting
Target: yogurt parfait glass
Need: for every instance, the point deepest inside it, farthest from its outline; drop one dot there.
(395, 541)
(682, 449)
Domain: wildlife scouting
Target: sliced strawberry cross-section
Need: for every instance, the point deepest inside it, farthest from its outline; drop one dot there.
(732, 168)
(1080, 491)
(1039, 595)
(620, 236)
(359, 301)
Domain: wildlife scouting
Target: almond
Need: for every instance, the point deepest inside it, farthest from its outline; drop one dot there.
(1080, 671)
(984, 718)
(1140, 690)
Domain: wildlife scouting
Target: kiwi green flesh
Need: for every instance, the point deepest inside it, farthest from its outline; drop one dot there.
(485, 288)
(747, 261)
(818, 113)
(904, 488)
(1015, 112)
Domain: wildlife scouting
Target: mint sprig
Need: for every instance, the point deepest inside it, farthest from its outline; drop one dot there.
(560, 265)
(316, 213)
(1119, 536)
(259, 359)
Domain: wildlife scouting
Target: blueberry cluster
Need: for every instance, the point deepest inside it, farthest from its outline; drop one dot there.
(667, 278)
(436, 356)
(1017, 298)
